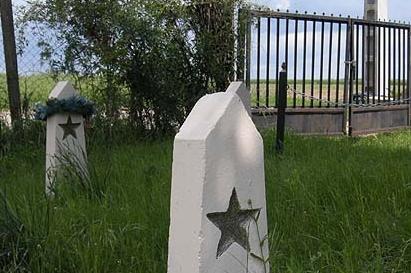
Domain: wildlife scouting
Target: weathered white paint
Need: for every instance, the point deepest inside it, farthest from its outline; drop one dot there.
(375, 10)
(58, 148)
(217, 149)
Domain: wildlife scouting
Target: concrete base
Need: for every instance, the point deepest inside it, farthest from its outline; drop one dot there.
(330, 121)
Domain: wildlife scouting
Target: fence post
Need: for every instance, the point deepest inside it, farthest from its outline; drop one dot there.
(248, 51)
(241, 42)
(409, 76)
(282, 105)
(348, 80)
(10, 56)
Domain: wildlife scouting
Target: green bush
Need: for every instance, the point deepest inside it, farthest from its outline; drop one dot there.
(153, 59)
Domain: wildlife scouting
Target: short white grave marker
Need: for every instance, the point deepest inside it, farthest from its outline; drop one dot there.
(65, 141)
(218, 207)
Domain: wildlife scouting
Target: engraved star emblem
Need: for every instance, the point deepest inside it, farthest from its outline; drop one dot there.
(69, 128)
(233, 225)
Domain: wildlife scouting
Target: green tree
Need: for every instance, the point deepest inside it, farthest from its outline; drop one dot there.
(156, 58)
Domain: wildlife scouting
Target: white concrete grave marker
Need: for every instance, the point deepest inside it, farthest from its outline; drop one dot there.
(218, 206)
(65, 141)
(242, 91)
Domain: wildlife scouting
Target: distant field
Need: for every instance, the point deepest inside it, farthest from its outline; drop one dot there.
(309, 89)
(36, 88)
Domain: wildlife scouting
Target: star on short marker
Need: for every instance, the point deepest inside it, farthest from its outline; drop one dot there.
(69, 128)
(233, 225)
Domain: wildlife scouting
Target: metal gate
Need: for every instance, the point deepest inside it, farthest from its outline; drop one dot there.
(332, 61)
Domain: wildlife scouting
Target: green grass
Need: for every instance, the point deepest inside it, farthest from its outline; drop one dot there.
(334, 205)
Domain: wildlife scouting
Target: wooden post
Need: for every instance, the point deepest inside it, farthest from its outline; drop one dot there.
(282, 105)
(10, 56)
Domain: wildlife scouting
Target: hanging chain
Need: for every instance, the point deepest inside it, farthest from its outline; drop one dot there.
(337, 104)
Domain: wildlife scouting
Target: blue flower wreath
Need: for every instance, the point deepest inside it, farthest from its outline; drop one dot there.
(76, 104)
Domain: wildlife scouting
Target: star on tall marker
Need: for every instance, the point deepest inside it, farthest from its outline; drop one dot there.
(69, 128)
(233, 225)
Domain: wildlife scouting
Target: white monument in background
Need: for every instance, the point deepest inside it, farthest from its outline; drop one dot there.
(65, 143)
(375, 10)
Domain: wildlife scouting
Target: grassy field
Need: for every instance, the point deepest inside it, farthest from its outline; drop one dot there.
(36, 88)
(334, 204)
(336, 90)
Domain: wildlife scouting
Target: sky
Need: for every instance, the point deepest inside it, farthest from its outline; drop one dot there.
(398, 9)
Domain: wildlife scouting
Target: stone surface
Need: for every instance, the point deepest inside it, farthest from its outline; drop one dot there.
(65, 143)
(218, 207)
(242, 91)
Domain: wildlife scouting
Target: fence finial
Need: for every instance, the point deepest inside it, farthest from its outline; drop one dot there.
(284, 67)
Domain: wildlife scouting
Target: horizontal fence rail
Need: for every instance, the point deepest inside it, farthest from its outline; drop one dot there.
(332, 61)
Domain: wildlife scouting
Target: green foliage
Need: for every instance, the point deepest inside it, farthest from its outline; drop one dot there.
(13, 250)
(334, 205)
(155, 58)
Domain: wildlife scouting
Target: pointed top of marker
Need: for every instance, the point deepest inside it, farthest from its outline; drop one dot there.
(63, 90)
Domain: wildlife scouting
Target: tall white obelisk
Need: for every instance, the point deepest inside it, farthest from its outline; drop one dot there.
(375, 10)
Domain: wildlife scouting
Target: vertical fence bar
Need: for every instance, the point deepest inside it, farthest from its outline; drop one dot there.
(322, 62)
(379, 64)
(313, 67)
(409, 75)
(348, 79)
(248, 52)
(337, 91)
(277, 62)
(394, 65)
(384, 81)
(295, 63)
(357, 58)
(267, 85)
(241, 28)
(304, 62)
(282, 105)
(404, 37)
(287, 30)
(258, 59)
(399, 64)
(364, 64)
(350, 34)
(330, 55)
(389, 64)
(368, 61)
(374, 63)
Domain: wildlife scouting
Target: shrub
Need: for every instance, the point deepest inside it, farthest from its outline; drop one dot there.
(156, 58)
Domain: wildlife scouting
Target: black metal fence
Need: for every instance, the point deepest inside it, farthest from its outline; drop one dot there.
(332, 61)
